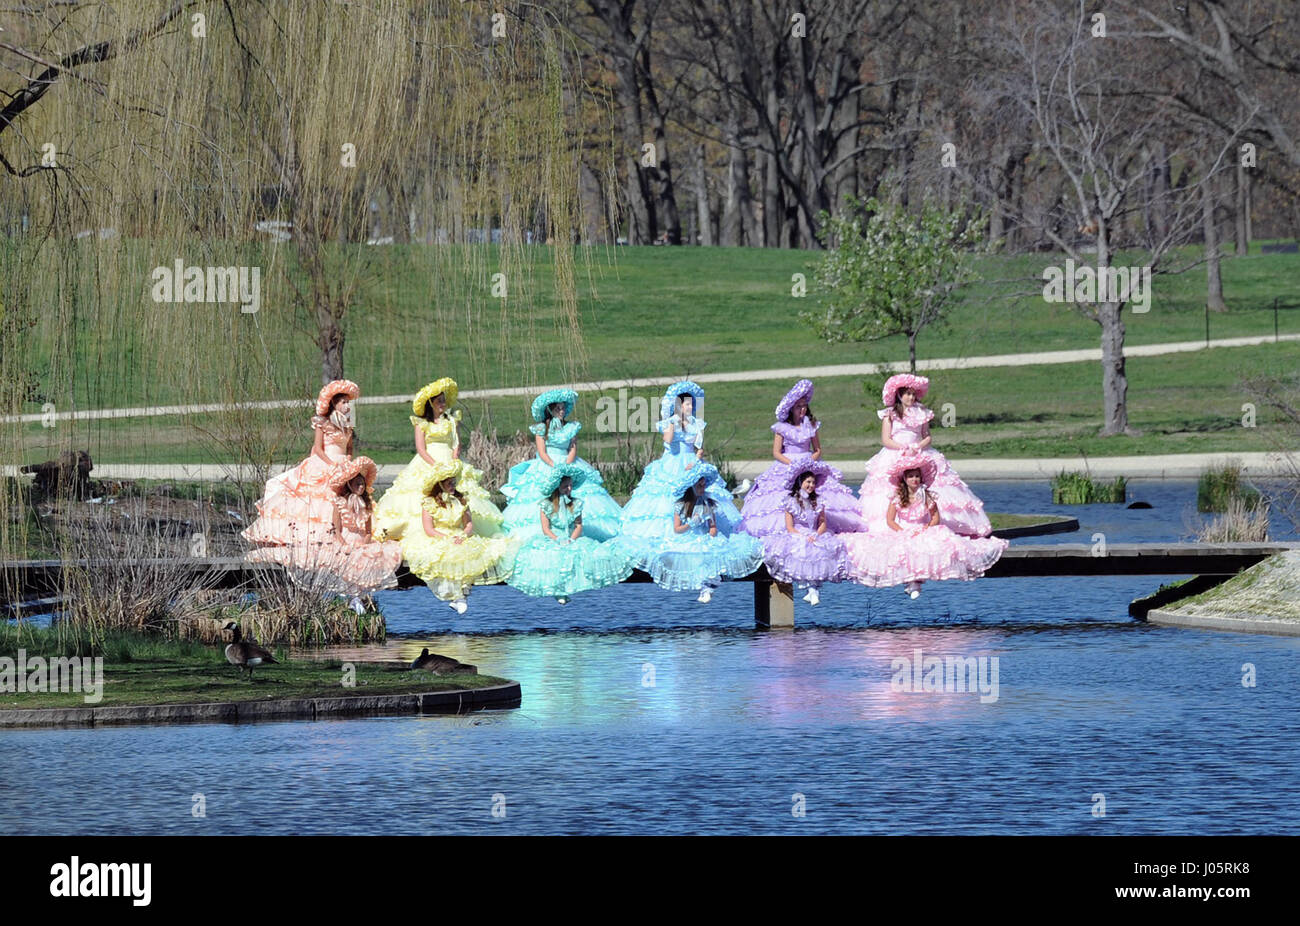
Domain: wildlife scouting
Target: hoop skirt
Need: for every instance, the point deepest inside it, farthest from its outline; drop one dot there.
(450, 568)
(296, 506)
(563, 567)
(891, 557)
(763, 511)
(960, 509)
(399, 510)
(602, 516)
(692, 560)
(350, 564)
(793, 558)
(649, 511)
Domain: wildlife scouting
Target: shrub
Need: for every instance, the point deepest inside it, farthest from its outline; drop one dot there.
(1219, 487)
(1082, 489)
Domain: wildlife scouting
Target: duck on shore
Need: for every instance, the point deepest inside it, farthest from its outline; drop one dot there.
(441, 665)
(245, 653)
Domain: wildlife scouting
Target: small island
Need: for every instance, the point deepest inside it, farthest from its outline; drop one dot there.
(1262, 599)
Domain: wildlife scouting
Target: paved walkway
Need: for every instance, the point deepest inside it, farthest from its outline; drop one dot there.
(1038, 469)
(739, 376)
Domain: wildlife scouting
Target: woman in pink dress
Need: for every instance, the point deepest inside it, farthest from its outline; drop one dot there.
(296, 506)
(345, 560)
(905, 432)
(915, 546)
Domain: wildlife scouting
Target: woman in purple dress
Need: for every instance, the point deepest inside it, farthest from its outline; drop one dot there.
(796, 441)
(805, 552)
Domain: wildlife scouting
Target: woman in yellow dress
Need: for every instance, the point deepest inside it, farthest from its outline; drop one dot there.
(434, 419)
(443, 549)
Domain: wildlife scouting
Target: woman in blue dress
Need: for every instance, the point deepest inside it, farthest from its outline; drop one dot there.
(557, 442)
(695, 546)
(559, 559)
(651, 505)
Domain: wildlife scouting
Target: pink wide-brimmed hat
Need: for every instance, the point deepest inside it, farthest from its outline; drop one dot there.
(918, 384)
(345, 472)
(330, 390)
(802, 390)
(908, 461)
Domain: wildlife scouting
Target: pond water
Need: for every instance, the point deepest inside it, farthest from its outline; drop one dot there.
(645, 712)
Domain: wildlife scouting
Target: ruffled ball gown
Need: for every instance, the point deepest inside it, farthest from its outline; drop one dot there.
(651, 504)
(693, 559)
(960, 509)
(400, 508)
(565, 565)
(764, 509)
(344, 559)
(450, 568)
(602, 516)
(890, 557)
(296, 506)
(793, 557)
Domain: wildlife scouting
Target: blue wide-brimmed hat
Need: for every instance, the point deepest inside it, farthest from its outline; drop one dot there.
(557, 474)
(550, 396)
(688, 478)
(685, 387)
(801, 390)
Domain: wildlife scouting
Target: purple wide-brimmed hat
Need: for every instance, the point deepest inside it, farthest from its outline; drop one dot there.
(802, 390)
(918, 384)
(822, 472)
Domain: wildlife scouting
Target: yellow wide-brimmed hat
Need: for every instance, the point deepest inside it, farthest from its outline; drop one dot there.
(438, 472)
(445, 387)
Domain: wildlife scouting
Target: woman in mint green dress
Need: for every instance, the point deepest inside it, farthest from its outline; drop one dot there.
(556, 437)
(559, 560)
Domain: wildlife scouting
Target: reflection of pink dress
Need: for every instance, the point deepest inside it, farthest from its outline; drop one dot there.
(297, 505)
(959, 508)
(890, 557)
(347, 562)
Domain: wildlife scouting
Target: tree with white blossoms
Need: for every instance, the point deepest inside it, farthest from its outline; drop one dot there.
(888, 271)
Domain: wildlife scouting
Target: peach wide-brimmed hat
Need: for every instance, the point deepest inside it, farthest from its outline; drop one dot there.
(330, 390)
(345, 472)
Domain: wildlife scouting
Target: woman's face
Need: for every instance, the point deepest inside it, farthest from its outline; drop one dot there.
(556, 409)
(358, 485)
(809, 483)
(800, 409)
(566, 485)
(907, 396)
(701, 486)
(913, 479)
(439, 403)
(342, 404)
(448, 484)
(688, 405)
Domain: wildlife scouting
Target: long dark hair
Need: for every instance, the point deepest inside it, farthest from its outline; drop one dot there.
(904, 496)
(440, 496)
(794, 489)
(689, 498)
(428, 413)
(808, 415)
(898, 400)
(346, 490)
(551, 419)
(559, 494)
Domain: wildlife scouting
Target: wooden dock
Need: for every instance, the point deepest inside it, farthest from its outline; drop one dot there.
(24, 580)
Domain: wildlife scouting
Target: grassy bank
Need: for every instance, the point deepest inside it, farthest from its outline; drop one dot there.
(142, 670)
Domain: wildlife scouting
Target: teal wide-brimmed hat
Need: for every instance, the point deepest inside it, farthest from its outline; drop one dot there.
(557, 474)
(690, 477)
(551, 396)
(685, 387)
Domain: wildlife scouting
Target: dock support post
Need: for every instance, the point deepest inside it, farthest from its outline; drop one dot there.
(773, 605)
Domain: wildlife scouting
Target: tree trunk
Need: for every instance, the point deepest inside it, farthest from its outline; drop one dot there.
(1158, 199)
(1114, 384)
(330, 340)
(704, 217)
(911, 351)
(1214, 282)
(1240, 212)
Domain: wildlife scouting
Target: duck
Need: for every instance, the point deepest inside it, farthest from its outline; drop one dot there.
(441, 665)
(245, 653)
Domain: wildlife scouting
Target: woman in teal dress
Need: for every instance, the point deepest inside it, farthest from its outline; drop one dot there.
(651, 506)
(695, 547)
(559, 559)
(557, 442)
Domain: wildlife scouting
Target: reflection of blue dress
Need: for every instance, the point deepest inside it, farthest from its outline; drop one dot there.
(649, 512)
(563, 567)
(601, 514)
(693, 559)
